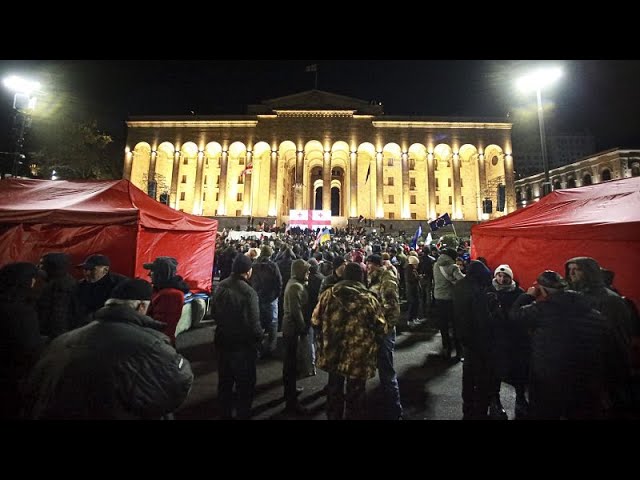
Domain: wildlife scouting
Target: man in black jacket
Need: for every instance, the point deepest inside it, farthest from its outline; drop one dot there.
(238, 335)
(119, 367)
(267, 282)
(96, 287)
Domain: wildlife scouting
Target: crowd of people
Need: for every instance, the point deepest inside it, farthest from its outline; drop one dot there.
(104, 347)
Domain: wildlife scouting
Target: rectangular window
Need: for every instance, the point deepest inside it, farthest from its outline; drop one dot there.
(391, 199)
(238, 213)
(437, 199)
(461, 183)
(390, 163)
(450, 200)
(413, 199)
(217, 195)
(390, 181)
(437, 184)
(204, 197)
(205, 179)
(414, 216)
(412, 183)
(206, 161)
(182, 196)
(240, 160)
(186, 161)
(184, 179)
(241, 180)
(449, 182)
(412, 164)
(462, 200)
(392, 215)
(239, 197)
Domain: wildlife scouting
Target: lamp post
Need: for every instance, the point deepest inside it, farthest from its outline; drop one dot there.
(23, 104)
(537, 80)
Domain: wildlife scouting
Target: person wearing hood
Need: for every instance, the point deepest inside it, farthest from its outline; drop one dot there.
(168, 294)
(119, 367)
(20, 339)
(349, 324)
(57, 306)
(294, 326)
(584, 275)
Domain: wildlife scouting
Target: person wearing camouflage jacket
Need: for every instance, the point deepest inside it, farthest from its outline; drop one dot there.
(384, 285)
(349, 324)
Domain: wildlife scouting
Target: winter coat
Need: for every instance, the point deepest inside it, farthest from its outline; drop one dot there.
(91, 296)
(295, 301)
(117, 367)
(236, 312)
(349, 324)
(384, 286)
(445, 274)
(574, 353)
(167, 303)
(266, 279)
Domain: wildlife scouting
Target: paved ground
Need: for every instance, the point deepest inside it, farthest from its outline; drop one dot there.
(430, 387)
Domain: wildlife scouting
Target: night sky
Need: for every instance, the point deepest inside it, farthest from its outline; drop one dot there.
(600, 97)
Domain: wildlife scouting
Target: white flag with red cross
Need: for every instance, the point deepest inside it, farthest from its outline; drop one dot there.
(311, 219)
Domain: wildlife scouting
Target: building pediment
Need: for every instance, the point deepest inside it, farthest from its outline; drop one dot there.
(317, 100)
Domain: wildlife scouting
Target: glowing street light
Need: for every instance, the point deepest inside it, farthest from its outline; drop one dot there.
(24, 102)
(537, 80)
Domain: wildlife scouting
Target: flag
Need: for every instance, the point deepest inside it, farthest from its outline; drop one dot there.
(368, 173)
(429, 239)
(249, 169)
(310, 219)
(311, 68)
(323, 236)
(414, 241)
(440, 222)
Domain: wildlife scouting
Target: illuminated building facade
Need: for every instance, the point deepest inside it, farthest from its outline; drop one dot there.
(318, 150)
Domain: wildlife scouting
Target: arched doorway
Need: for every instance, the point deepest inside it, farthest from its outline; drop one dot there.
(335, 202)
(606, 175)
(586, 180)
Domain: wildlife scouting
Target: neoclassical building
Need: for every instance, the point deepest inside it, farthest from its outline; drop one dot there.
(611, 164)
(318, 150)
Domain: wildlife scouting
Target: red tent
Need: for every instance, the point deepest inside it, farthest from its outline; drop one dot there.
(110, 217)
(600, 221)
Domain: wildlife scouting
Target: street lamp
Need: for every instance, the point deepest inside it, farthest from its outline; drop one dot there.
(537, 80)
(24, 102)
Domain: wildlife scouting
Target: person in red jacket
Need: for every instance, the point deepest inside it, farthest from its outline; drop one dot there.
(168, 294)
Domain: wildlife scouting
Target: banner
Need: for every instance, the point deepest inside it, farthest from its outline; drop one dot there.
(311, 219)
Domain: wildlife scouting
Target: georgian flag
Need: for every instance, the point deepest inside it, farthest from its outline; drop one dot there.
(311, 219)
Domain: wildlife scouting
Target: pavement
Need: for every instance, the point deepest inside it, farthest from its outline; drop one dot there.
(430, 387)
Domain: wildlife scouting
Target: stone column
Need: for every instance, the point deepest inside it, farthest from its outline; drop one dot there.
(173, 198)
(298, 176)
(326, 181)
(404, 194)
(353, 173)
(379, 203)
(431, 186)
(197, 202)
(273, 185)
(456, 208)
(247, 203)
(222, 184)
(510, 188)
(151, 177)
(482, 183)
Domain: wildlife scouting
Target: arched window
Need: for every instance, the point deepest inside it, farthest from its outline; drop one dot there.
(557, 184)
(606, 175)
(586, 180)
(518, 196)
(571, 183)
(635, 169)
